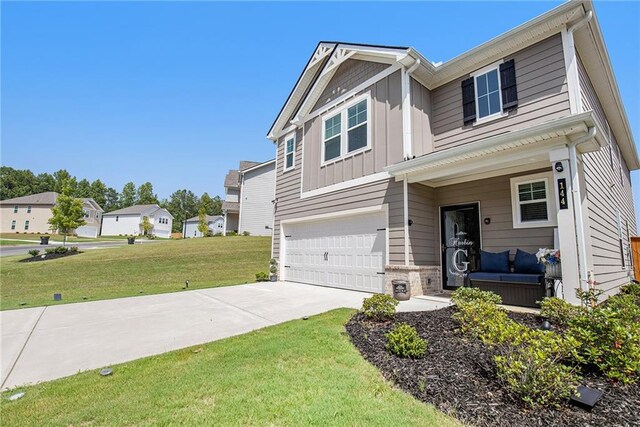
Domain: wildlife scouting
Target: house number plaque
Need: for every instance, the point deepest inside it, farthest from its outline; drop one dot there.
(562, 193)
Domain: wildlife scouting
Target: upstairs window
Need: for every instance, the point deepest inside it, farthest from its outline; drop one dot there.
(489, 93)
(15, 209)
(29, 209)
(26, 225)
(346, 132)
(532, 202)
(117, 218)
(289, 152)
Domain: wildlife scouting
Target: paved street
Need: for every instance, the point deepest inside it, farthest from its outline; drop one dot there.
(23, 249)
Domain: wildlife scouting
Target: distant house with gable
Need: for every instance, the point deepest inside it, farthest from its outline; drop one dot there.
(129, 220)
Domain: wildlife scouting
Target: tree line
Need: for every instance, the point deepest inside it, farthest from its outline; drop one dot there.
(182, 204)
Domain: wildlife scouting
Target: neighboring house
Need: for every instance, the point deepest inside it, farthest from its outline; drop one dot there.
(30, 214)
(249, 195)
(190, 226)
(129, 221)
(392, 167)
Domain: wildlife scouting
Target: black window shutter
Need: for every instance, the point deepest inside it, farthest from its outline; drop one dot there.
(468, 100)
(508, 84)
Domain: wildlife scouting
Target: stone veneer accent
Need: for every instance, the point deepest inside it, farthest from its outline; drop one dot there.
(423, 279)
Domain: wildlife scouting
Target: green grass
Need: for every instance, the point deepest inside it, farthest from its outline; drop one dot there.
(295, 374)
(4, 242)
(154, 268)
(56, 238)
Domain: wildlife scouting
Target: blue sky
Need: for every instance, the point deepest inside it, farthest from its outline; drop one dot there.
(177, 93)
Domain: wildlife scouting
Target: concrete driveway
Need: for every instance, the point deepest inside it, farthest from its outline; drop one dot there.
(45, 343)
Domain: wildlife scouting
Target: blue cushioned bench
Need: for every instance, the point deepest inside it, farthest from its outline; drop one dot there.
(519, 283)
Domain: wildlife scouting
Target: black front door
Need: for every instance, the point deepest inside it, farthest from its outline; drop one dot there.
(460, 242)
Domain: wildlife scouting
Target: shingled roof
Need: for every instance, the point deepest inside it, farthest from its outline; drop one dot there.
(232, 179)
(133, 210)
(231, 206)
(47, 198)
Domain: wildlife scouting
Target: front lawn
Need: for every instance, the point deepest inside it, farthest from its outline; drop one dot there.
(129, 270)
(22, 238)
(303, 372)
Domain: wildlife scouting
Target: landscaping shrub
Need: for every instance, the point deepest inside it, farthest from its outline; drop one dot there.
(50, 251)
(262, 276)
(246, 233)
(33, 252)
(379, 307)
(631, 289)
(609, 338)
(482, 319)
(232, 233)
(61, 250)
(403, 341)
(73, 249)
(464, 295)
(557, 310)
(532, 368)
(218, 234)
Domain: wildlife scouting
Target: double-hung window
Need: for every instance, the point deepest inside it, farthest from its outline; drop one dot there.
(488, 103)
(620, 238)
(29, 209)
(26, 225)
(533, 201)
(289, 151)
(15, 209)
(13, 224)
(346, 132)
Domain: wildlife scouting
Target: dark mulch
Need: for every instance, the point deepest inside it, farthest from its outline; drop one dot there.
(457, 376)
(46, 257)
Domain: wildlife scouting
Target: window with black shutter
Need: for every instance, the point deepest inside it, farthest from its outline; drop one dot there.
(508, 85)
(468, 100)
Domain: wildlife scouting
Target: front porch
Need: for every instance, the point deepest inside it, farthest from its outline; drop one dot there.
(506, 194)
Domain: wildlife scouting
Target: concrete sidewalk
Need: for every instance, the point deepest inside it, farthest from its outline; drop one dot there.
(45, 343)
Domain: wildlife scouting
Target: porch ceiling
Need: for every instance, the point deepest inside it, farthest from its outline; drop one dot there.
(521, 150)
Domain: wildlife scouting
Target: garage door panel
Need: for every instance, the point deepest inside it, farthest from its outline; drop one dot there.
(348, 253)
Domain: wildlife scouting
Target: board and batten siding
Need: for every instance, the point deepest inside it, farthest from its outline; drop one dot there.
(421, 113)
(386, 139)
(494, 195)
(349, 74)
(290, 205)
(256, 206)
(542, 96)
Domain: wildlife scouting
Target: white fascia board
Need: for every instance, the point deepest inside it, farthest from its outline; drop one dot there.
(569, 124)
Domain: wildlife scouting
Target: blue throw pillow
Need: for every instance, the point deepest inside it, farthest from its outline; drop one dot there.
(526, 263)
(494, 263)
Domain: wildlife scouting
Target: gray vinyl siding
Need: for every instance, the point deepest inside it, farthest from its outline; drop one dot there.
(421, 113)
(349, 74)
(231, 194)
(290, 205)
(542, 96)
(494, 195)
(256, 206)
(606, 194)
(386, 140)
(424, 228)
(588, 96)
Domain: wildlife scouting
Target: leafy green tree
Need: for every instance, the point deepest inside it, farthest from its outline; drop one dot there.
(146, 225)
(213, 206)
(83, 189)
(67, 214)
(203, 226)
(183, 204)
(145, 194)
(45, 182)
(128, 195)
(62, 179)
(16, 183)
(99, 192)
(111, 202)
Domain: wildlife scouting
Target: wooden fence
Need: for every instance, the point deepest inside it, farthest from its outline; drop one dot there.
(635, 251)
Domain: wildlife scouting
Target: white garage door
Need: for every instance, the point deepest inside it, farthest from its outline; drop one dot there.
(347, 252)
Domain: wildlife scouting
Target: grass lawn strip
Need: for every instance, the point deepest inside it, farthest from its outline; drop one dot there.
(126, 270)
(294, 374)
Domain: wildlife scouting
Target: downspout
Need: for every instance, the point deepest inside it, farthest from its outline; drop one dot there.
(406, 110)
(577, 204)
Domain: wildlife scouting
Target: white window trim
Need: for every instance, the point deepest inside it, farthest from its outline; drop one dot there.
(344, 134)
(289, 136)
(475, 74)
(552, 207)
(29, 209)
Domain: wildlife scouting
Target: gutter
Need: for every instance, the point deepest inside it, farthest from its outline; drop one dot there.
(577, 206)
(406, 109)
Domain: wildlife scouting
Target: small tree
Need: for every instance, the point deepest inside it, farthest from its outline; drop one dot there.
(203, 227)
(67, 214)
(146, 225)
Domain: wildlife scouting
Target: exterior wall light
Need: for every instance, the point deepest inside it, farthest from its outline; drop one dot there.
(559, 167)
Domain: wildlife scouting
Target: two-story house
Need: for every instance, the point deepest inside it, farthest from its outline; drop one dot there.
(130, 221)
(31, 214)
(390, 166)
(249, 195)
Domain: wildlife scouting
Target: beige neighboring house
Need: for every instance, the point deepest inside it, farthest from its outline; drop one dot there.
(30, 214)
(249, 196)
(390, 166)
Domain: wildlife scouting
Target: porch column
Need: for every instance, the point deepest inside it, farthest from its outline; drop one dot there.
(566, 224)
(224, 223)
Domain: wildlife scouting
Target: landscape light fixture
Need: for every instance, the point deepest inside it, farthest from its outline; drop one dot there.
(546, 326)
(487, 221)
(559, 167)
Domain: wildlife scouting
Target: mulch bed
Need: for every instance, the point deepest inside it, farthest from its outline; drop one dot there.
(46, 257)
(457, 376)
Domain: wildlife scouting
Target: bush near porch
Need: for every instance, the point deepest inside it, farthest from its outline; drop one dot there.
(487, 366)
